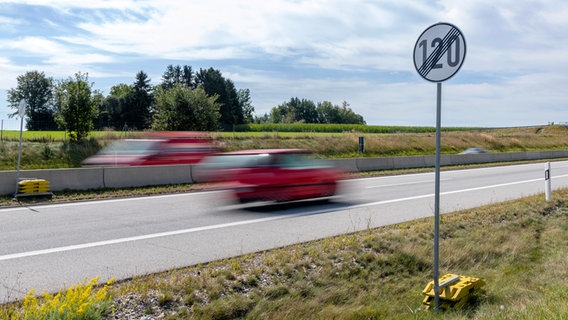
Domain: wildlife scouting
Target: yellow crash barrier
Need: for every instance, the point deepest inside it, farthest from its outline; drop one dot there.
(454, 290)
(33, 187)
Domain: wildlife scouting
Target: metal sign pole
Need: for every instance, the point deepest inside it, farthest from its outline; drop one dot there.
(19, 155)
(437, 197)
(21, 112)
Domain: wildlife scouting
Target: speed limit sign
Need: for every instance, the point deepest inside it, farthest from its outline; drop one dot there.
(439, 52)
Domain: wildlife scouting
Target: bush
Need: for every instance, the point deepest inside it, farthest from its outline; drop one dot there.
(78, 151)
(78, 302)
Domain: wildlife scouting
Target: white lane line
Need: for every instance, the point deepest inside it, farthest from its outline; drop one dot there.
(451, 192)
(404, 183)
(143, 237)
(240, 223)
(105, 201)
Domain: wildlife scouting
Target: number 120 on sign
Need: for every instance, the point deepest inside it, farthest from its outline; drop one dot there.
(439, 52)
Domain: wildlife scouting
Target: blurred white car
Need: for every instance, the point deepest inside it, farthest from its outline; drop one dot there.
(474, 151)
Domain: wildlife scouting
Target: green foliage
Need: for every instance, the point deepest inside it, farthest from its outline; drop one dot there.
(177, 75)
(245, 101)
(77, 108)
(184, 109)
(305, 111)
(295, 110)
(328, 113)
(77, 151)
(338, 128)
(37, 90)
(120, 90)
(214, 84)
(128, 107)
(47, 153)
(136, 104)
(78, 302)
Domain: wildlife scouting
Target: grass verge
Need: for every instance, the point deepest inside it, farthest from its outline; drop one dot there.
(520, 249)
(48, 150)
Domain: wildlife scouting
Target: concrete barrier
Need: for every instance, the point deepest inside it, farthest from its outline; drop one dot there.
(100, 177)
(121, 177)
(60, 179)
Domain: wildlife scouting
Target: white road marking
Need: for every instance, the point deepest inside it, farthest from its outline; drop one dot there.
(404, 183)
(141, 237)
(91, 202)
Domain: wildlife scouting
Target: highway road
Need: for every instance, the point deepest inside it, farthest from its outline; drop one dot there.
(50, 247)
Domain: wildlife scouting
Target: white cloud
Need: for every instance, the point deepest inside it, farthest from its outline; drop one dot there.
(358, 51)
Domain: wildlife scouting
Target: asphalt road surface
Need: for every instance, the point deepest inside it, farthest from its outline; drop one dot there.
(52, 247)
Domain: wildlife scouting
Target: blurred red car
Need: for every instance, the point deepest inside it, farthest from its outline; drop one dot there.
(162, 148)
(272, 175)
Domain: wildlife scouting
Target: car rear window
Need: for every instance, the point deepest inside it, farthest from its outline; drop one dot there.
(130, 147)
(236, 161)
(300, 161)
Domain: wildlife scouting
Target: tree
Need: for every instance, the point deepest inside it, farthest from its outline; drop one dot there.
(120, 90)
(37, 90)
(76, 106)
(213, 83)
(348, 116)
(128, 105)
(178, 75)
(245, 101)
(183, 108)
(138, 102)
(111, 110)
(187, 77)
(303, 110)
(328, 113)
(295, 110)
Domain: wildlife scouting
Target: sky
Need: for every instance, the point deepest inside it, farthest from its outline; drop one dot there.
(514, 73)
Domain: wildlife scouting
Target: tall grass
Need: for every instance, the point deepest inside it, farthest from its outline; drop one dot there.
(80, 302)
(46, 155)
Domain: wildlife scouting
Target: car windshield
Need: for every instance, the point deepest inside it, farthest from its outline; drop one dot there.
(130, 147)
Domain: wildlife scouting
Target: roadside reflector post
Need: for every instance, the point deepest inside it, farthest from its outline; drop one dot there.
(547, 182)
(361, 145)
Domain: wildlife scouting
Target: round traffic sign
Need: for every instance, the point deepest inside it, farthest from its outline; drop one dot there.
(22, 108)
(439, 52)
